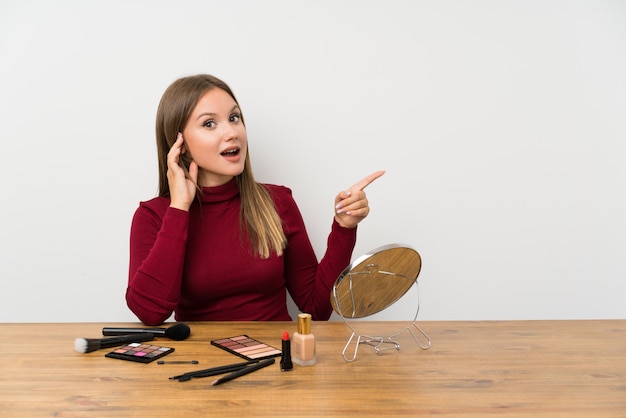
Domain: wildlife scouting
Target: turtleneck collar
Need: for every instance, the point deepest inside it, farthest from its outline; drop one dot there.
(221, 193)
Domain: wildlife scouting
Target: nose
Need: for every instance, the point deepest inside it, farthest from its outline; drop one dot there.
(229, 132)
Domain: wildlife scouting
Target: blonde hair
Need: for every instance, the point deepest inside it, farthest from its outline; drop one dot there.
(257, 216)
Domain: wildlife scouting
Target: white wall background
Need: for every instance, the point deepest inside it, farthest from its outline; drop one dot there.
(501, 124)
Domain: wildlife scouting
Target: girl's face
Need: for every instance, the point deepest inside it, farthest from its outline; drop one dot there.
(215, 138)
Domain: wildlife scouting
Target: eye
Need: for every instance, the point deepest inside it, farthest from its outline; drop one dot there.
(235, 117)
(209, 124)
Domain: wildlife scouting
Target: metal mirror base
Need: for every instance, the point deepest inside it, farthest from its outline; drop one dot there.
(383, 343)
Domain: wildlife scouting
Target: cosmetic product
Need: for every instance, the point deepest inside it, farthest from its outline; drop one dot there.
(246, 347)
(178, 362)
(142, 353)
(178, 332)
(304, 342)
(285, 362)
(87, 345)
(243, 371)
(229, 368)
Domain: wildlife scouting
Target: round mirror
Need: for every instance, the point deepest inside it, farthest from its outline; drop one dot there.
(375, 281)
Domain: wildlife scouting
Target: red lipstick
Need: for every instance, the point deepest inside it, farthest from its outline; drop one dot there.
(285, 362)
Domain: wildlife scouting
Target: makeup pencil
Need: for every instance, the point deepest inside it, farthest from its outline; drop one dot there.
(244, 371)
(213, 371)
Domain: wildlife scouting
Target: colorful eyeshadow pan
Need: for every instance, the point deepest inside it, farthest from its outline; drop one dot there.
(142, 353)
(246, 347)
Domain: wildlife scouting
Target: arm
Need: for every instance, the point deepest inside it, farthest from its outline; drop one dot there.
(308, 282)
(157, 244)
(157, 252)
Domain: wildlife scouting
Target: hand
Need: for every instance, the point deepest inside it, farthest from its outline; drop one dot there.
(182, 188)
(351, 206)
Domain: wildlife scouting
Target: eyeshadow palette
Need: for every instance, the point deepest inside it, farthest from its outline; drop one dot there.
(246, 347)
(142, 353)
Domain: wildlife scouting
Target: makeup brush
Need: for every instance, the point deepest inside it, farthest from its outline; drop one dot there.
(176, 332)
(87, 345)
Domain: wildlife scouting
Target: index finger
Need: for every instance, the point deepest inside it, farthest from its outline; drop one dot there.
(177, 142)
(362, 184)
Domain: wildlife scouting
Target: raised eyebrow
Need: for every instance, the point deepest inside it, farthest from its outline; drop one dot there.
(235, 107)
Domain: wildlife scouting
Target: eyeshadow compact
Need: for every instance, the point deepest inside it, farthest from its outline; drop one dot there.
(246, 347)
(139, 352)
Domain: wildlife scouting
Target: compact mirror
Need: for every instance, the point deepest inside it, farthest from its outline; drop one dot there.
(372, 283)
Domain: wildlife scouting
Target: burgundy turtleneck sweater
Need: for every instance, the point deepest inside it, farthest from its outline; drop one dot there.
(196, 265)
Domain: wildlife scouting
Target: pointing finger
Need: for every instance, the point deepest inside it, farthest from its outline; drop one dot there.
(363, 183)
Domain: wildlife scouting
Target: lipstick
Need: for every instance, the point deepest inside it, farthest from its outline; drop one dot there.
(285, 361)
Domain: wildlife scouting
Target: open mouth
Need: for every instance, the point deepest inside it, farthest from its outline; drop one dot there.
(230, 152)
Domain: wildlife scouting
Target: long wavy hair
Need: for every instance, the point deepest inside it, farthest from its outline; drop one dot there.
(258, 215)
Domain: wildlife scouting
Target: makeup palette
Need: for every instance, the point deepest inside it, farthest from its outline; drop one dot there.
(142, 353)
(246, 347)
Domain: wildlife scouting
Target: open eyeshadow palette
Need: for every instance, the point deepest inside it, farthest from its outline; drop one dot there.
(246, 347)
(142, 353)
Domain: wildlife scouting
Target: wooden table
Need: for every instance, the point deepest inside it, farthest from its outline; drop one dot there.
(513, 368)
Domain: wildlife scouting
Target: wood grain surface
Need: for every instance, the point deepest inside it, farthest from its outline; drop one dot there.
(473, 369)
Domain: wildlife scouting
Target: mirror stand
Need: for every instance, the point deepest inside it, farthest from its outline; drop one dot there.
(380, 343)
(371, 284)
